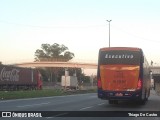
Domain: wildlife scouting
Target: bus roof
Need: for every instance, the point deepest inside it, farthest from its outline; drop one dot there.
(120, 48)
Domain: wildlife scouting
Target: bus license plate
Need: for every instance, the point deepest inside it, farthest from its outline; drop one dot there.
(118, 94)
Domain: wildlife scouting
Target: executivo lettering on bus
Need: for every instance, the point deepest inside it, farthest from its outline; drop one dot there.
(120, 56)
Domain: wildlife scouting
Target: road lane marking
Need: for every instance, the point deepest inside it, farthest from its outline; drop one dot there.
(28, 99)
(58, 115)
(91, 106)
(93, 97)
(86, 108)
(32, 105)
(101, 104)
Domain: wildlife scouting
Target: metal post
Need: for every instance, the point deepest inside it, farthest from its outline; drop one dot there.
(65, 78)
(109, 30)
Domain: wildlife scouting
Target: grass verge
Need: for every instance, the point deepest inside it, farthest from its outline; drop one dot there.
(6, 95)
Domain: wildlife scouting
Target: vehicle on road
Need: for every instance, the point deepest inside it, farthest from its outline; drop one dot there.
(18, 78)
(123, 74)
(69, 82)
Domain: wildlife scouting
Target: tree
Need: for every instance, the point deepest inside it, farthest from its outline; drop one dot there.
(53, 52)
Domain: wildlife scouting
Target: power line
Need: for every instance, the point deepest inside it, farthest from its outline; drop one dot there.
(142, 38)
(88, 26)
(50, 27)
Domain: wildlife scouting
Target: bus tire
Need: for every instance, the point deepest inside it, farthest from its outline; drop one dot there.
(146, 96)
(113, 101)
(143, 102)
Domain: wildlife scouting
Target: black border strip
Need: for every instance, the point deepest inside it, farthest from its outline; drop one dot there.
(79, 113)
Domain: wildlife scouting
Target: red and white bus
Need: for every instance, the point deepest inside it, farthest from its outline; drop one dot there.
(123, 74)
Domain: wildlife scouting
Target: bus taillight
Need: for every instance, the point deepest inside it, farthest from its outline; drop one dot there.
(139, 85)
(99, 83)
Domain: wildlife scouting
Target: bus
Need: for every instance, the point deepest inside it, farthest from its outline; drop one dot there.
(123, 73)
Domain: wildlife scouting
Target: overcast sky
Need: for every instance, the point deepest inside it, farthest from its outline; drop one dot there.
(80, 25)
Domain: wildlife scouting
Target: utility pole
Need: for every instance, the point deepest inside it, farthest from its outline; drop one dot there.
(109, 30)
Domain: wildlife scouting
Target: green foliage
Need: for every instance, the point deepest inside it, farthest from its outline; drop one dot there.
(84, 79)
(4, 95)
(29, 94)
(53, 52)
(58, 53)
(44, 73)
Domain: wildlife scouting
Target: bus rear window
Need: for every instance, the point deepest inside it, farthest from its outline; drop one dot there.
(120, 57)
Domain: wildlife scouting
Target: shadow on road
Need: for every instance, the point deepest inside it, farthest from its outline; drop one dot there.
(151, 105)
(126, 104)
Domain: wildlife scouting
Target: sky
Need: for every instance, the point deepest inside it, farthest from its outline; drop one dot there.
(80, 25)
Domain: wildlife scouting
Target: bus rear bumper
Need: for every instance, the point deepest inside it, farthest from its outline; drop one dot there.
(120, 95)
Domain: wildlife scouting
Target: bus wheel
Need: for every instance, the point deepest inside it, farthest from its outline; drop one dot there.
(142, 102)
(146, 96)
(113, 101)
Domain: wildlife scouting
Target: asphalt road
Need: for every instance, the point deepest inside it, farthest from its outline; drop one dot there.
(81, 103)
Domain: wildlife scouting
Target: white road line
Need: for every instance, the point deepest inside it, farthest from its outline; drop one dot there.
(28, 99)
(101, 104)
(86, 108)
(58, 115)
(91, 106)
(93, 97)
(32, 105)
